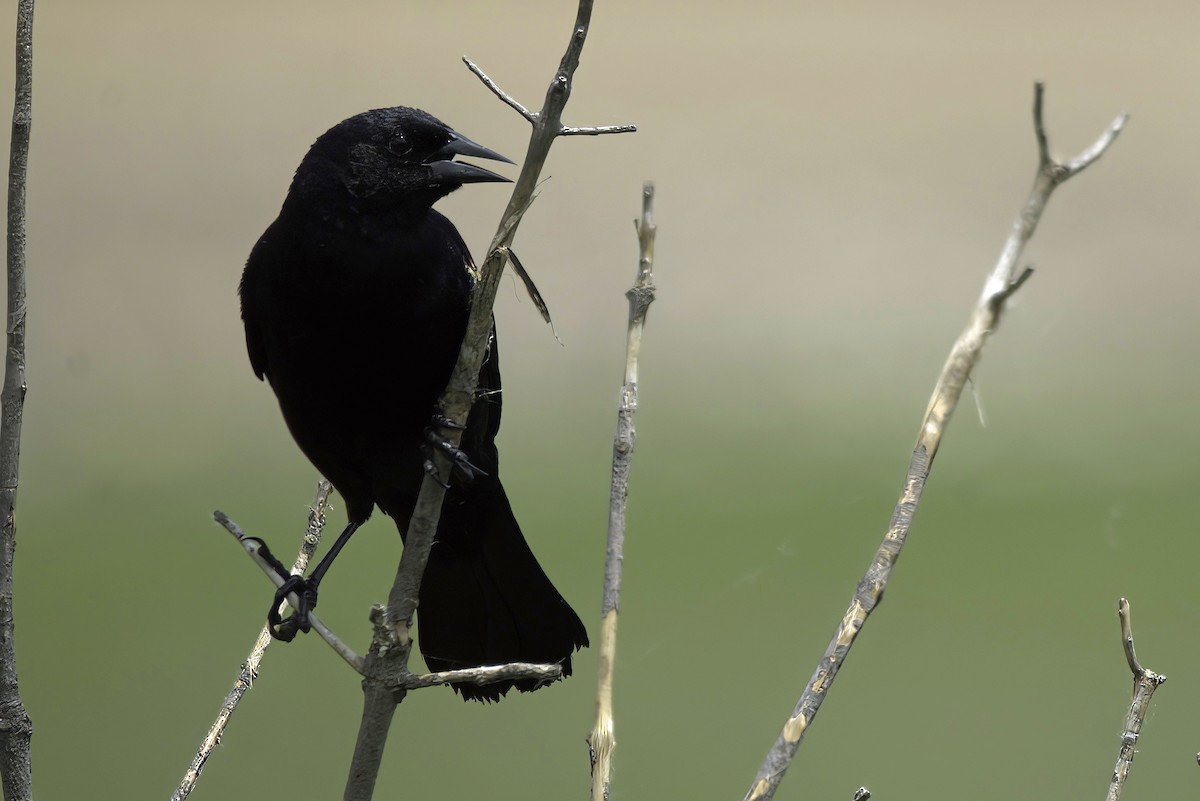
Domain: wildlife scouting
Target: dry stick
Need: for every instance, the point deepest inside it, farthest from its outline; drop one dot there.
(258, 553)
(1145, 682)
(603, 741)
(16, 729)
(387, 660)
(249, 670)
(1001, 283)
(489, 674)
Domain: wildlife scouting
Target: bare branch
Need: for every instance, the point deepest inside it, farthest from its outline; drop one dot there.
(386, 663)
(533, 117)
(1085, 158)
(16, 728)
(266, 561)
(598, 130)
(458, 398)
(1000, 285)
(1049, 175)
(489, 674)
(1127, 638)
(1145, 682)
(602, 741)
(498, 92)
(249, 669)
(1039, 125)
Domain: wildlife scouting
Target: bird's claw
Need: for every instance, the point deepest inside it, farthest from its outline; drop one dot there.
(442, 421)
(432, 470)
(286, 629)
(457, 456)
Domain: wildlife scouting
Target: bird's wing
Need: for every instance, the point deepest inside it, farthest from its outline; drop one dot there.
(255, 344)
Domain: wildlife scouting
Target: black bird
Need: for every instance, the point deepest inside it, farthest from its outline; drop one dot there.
(355, 302)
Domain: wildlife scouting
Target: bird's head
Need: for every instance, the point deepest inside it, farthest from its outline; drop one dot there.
(390, 157)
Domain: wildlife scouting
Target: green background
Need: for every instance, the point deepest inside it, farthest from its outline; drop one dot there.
(833, 186)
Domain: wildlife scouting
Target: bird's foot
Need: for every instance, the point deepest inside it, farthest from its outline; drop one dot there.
(286, 629)
(442, 421)
(434, 440)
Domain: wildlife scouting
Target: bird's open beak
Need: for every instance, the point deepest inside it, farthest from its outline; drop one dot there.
(445, 170)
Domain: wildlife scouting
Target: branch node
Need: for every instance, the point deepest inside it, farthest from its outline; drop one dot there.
(1055, 171)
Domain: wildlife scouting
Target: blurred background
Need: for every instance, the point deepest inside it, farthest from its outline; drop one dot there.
(834, 184)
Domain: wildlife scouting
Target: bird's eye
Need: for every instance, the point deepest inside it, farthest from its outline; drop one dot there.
(398, 144)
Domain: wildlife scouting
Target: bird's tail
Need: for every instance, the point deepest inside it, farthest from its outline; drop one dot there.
(485, 599)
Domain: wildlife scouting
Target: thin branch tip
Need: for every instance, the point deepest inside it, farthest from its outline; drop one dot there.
(598, 130)
(1127, 638)
(512, 102)
(1039, 124)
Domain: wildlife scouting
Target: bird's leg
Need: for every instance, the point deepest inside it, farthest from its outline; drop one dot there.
(434, 440)
(305, 590)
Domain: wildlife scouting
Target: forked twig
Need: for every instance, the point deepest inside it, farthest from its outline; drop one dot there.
(603, 739)
(532, 117)
(1001, 283)
(1145, 682)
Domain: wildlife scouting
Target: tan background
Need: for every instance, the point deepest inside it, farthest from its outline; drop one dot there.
(834, 182)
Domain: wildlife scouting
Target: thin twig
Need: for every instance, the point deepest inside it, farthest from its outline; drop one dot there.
(249, 670)
(498, 92)
(16, 729)
(1145, 682)
(999, 286)
(602, 741)
(257, 550)
(598, 130)
(532, 117)
(1050, 174)
(488, 674)
(386, 662)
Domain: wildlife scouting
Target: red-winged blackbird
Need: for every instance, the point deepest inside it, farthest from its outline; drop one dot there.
(355, 302)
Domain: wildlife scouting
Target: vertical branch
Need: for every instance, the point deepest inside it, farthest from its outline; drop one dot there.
(1004, 279)
(459, 396)
(1145, 682)
(386, 664)
(16, 729)
(603, 740)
